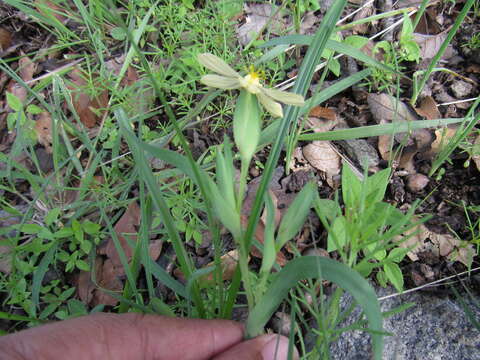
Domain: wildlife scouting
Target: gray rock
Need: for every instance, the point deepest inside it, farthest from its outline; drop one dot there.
(360, 151)
(461, 89)
(436, 328)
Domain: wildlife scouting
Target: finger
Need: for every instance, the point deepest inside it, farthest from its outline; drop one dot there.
(126, 336)
(265, 347)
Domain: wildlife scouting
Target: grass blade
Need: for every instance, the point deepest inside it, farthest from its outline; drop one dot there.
(376, 130)
(313, 267)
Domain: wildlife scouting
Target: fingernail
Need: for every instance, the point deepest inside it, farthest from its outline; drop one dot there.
(277, 349)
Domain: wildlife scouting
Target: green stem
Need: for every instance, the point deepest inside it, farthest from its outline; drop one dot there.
(242, 184)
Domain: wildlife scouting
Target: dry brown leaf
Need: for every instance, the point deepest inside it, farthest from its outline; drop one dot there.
(155, 249)
(43, 129)
(364, 12)
(322, 156)
(259, 235)
(127, 225)
(430, 44)
(443, 136)
(26, 68)
(5, 39)
(320, 125)
(385, 144)
(388, 108)
(428, 109)
(257, 17)
(228, 263)
(438, 244)
(89, 109)
(108, 278)
(47, 8)
(324, 113)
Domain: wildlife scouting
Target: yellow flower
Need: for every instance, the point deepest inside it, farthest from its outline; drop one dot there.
(229, 79)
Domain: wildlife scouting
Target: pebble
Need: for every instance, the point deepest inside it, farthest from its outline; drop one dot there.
(461, 89)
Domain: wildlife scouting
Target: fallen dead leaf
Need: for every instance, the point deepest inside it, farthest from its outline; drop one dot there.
(438, 244)
(324, 113)
(228, 263)
(26, 70)
(43, 129)
(108, 278)
(385, 144)
(320, 125)
(364, 12)
(387, 107)
(48, 8)
(430, 45)
(256, 18)
(443, 135)
(5, 39)
(428, 109)
(89, 109)
(322, 156)
(125, 227)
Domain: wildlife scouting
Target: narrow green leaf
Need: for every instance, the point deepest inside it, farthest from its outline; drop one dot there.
(376, 130)
(324, 268)
(295, 216)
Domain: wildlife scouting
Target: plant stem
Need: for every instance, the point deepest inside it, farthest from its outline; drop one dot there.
(242, 184)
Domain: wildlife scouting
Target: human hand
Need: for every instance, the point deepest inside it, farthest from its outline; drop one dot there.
(136, 336)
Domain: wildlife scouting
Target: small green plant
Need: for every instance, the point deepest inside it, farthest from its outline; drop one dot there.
(393, 54)
(20, 118)
(364, 233)
(474, 42)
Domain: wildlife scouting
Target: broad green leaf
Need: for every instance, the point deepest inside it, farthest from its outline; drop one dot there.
(397, 254)
(351, 187)
(394, 275)
(295, 216)
(323, 268)
(52, 216)
(246, 124)
(337, 236)
(14, 102)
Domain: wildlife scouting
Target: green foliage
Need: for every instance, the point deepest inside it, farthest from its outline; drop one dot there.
(364, 233)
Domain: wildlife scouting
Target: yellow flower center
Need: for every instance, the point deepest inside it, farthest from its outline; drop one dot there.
(251, 82)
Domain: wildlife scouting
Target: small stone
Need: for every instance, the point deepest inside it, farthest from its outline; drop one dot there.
(461, 89)
(417, 182)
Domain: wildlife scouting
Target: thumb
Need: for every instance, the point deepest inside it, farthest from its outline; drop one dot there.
(265, 347)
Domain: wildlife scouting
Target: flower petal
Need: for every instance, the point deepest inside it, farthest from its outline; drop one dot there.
(221, 82)
(216, 64)
(271, 106)
(285, 97)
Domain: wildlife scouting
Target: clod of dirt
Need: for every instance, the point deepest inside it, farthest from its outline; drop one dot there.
(417, 182)
(461, 89)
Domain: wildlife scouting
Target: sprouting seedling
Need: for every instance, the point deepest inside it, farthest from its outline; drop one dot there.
(229, 79)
